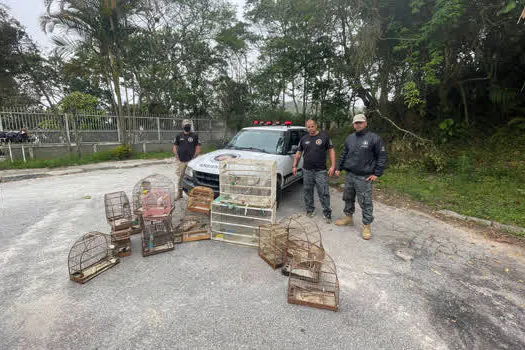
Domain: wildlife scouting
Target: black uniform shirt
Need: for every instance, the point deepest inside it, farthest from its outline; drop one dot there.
(186, 145)
(314, 151)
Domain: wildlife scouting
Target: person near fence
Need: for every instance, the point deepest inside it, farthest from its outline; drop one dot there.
(313, 147)
(364, 159)
(185, 148)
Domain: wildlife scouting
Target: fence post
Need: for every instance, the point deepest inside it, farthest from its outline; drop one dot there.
(24, 154)
(66, 123)
(158, 128)
(10, 151)
(118, 127)
(1, 124)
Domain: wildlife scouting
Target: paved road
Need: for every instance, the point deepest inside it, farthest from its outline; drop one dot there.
(418, 284)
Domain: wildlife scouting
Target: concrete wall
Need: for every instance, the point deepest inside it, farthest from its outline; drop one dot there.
(50, 151)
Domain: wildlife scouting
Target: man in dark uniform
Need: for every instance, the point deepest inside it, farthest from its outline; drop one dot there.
(314, 147)
(364, 159)
(185, 148)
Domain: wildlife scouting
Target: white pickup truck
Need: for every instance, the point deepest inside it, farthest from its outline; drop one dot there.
(277, 142)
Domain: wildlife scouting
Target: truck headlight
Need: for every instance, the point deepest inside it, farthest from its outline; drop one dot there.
(188, 172)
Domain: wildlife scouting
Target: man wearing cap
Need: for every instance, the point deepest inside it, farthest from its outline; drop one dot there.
(313, 147)
(364, 159)
(185, 148)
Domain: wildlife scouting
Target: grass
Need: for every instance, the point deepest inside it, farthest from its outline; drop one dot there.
(103, 156)
(485, 181)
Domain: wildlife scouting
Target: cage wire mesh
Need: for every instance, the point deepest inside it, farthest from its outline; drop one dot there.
(153, 196)
(272, 243)
(299, 229)
(89, 256)
(320, 292)
(157, 236)
(248, 182)
(194, 215)
(239, 224)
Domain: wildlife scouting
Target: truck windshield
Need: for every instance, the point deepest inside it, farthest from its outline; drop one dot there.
(267, 141)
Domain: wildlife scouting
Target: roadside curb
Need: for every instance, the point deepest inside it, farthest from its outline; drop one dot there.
(49, 173)
(488, 223)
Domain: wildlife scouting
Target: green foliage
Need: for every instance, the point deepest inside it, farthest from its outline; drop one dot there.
(122, 152)
(412, 95)
(449, 130)
(78, 101)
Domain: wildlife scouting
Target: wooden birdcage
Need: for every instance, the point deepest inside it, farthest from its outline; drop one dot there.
(91, 255)
(300, 229)
(272, 243)
(122, 247)
(118, 210)
(200, 199)
(320, 292)
(157, 236)
(248, 182)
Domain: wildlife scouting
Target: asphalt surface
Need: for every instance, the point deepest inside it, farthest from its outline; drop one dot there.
(419, 283)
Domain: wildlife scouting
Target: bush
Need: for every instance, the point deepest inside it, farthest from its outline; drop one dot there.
(122, 152)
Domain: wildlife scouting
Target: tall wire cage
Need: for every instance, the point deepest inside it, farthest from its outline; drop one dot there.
(320, 292)
(157, 236)
(299, 229)
(119, 217)
(272, 243)
(90, 255)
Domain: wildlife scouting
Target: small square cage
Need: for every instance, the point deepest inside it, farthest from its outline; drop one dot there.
(194, 227)
(323, 292)
(122, 247)
(200, 199)
(118, 210)
(248, 182)
(157, 236)
(90, 255)
(272, 244)
(153, 196)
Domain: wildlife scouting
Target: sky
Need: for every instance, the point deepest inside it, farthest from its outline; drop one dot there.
(28, 13)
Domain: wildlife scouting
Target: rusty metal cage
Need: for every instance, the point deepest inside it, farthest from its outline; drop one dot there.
(300, 229)
(153, 196)
(157, 236)
(272, 243)
(118, 210)
(90, 255)
(320, 292)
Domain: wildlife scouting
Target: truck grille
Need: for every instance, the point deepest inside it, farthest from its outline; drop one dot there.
(205, 179)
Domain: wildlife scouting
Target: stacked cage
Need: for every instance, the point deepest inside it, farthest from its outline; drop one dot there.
(118, 215)
(272, 243)
(90, 255)
(313, 280)
(153, 201)
(194, 223)
(246, 201)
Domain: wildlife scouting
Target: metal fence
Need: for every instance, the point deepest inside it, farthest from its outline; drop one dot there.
(98, 127)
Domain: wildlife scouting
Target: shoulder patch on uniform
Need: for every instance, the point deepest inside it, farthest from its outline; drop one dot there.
(318, 142)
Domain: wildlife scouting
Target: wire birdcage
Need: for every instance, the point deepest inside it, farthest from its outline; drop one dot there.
(272, 243)
(248, 182)
(118, 210)
(90, 255)
(157, 236)
(154, 196)
(320, 292)
(300, 229)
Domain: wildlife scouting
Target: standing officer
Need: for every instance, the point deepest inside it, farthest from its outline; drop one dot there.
(364, 159)
(185, 148)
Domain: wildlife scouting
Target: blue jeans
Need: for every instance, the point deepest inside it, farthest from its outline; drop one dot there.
(319, 179)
